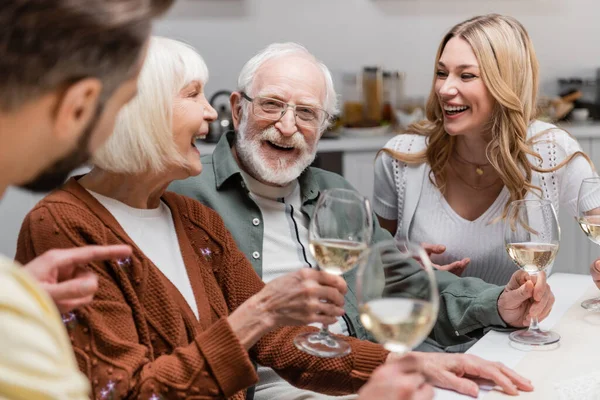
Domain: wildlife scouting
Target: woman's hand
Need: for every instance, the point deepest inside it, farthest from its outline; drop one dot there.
(298, 298)
(303, 297)
(457, 267)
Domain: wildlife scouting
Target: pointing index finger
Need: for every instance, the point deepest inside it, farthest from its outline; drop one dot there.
(87, 254)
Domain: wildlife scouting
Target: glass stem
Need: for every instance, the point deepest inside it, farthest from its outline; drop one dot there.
(533, 324)
(324, 330)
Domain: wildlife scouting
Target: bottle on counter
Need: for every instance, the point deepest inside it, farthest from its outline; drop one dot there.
(388, 111)
(352, 98)
(372, 79)
(393, 94)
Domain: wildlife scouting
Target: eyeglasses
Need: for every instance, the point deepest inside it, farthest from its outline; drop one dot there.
(274, 110)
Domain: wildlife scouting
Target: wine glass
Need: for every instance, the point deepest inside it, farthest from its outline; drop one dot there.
(397, 294)
(531, 236)
(588, 210)
(340, 230)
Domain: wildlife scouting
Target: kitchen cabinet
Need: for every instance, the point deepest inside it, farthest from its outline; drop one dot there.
(577, 252)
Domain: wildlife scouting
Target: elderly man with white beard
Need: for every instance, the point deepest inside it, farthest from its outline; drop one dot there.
(260, 181)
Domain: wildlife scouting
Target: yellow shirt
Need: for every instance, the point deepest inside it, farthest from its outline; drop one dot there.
(36, 357)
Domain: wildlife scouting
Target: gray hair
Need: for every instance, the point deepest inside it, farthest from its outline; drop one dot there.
(143, 136)
(277, 50)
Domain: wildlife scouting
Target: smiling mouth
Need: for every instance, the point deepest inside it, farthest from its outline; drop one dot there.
(455, 110)
(197, 137)
(280, 147)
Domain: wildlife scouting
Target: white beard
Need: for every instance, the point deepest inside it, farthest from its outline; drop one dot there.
(249, 153)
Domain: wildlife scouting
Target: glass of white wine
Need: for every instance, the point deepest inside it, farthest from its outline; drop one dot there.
(397, 294)
(531, 236)
(588, 210)
(340, 230)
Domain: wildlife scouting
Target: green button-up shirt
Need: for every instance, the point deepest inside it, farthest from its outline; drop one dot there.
(468, 306)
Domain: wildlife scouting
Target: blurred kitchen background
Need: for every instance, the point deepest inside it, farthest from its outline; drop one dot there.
(396, 34)
(381, 54)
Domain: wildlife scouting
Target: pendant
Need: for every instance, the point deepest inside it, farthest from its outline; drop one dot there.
(479, 171)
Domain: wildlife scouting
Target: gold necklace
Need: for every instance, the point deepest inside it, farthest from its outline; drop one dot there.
(468, 184)
(478, 167)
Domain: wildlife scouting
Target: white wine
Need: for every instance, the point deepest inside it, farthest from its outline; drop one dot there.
(399, 324)
(532, 257)
(336, 256)
(591, 227)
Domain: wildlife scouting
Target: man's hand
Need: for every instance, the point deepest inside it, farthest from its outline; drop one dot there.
(398, 379)
(452, 371)
(61, 273)
(595, 271)
(525, 296)
(457, 267)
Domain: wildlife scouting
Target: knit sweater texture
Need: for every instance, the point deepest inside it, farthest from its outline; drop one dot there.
(139, 338)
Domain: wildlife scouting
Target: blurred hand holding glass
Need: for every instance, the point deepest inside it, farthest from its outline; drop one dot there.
(340, 230)
(532, 236)
(398, 308)
(588, 209)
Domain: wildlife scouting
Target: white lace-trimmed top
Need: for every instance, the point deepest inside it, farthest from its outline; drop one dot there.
(404, 192)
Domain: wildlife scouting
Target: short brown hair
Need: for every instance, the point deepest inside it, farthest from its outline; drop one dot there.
(45, 44)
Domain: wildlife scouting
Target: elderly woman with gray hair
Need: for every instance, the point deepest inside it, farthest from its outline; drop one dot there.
(185, 315)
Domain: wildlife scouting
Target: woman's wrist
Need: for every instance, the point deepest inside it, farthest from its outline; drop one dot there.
(249, 323)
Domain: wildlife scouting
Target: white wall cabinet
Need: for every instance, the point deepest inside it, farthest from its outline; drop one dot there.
(358, 167)
(577, 252)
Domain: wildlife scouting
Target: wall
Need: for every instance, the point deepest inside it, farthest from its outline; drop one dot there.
(401, 34)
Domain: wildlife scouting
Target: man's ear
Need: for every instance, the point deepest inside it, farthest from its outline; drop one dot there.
(76, 108)
(235, 102)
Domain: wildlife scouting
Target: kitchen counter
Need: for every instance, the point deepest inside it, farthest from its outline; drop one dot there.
(584, 130)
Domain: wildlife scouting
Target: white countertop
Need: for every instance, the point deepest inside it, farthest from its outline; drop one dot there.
(582, 130)
(588, 130)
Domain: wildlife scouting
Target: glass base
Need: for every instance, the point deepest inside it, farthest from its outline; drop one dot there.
(592, 304)
(535, 337)
(322, 345)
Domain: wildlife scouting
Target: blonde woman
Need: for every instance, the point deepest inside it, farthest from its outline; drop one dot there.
(448, 181)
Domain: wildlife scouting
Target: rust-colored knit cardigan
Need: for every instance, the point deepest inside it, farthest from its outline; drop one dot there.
(140, 339)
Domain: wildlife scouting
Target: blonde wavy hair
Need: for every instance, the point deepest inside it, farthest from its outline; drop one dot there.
(509, 69)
